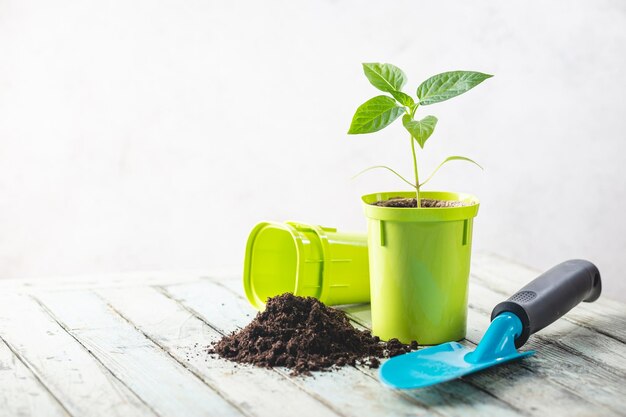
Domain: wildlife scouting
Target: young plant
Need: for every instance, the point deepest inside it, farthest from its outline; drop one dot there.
(380, 111)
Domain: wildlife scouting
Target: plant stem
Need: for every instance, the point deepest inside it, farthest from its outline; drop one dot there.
(417, 180)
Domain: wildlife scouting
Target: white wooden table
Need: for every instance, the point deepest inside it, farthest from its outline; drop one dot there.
(131, 345)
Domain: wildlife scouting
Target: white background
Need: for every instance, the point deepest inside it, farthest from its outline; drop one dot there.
(153, 135)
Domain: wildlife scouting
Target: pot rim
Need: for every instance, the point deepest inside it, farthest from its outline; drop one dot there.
(422, 214)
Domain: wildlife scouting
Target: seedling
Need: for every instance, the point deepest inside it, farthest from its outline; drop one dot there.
(380, 111)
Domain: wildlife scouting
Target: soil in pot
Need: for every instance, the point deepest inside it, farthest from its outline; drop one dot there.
(425, 202)
(305, 335)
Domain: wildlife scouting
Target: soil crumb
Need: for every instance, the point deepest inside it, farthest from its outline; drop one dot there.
(305, 335)
(425, 202)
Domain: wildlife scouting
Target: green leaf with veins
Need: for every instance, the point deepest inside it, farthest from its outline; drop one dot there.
(380, 111)
(420, 130)
(385, 77)
(446, 85)
(375, 114)
(404, 99)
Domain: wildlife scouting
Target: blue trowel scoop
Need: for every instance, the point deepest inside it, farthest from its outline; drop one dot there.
(532, 308)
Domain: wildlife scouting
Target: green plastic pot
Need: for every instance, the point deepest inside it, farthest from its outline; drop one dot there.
(419, 262)
(305, 260)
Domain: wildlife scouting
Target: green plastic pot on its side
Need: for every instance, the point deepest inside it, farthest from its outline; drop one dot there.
(305, 260)
(419, 267)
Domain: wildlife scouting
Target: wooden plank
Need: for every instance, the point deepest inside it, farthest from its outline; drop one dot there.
(503, 274)
(570, 336)
(591, 365)
(506, 277)
(21, 393)
(185, 337)
(518, 383)
(352, 389)
(348, 390)
(92, 281)
(560, 357)
(447, 399)
(70, 373)
(594, 384)
(160, 381)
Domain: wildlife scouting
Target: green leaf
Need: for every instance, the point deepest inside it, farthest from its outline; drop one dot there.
(404, 99)
(448, 159)
(420, 130)
(446, 85)
(385, 77)
(374, 115)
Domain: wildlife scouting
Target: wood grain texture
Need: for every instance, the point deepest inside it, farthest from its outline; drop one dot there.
(447, 399)
(93, 281)
(537, 382)
(551, 386)
(21, 393)
(135, 345)
(506, 277)
(161, 382)
(69, 371)
(571, 336)
(348, 390)
(185, 337)
(231, 311)
(588, 378)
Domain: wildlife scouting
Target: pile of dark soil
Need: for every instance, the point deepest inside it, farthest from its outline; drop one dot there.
(425, 202)
(305, 335)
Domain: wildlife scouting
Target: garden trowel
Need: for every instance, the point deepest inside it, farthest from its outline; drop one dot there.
(532, 308)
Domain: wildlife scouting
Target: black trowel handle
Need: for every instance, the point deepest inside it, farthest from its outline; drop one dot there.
(551, 295)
